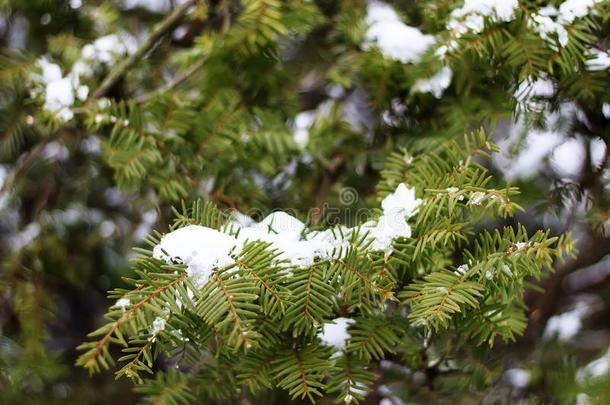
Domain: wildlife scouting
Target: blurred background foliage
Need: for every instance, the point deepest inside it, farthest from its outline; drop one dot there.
(265, 104)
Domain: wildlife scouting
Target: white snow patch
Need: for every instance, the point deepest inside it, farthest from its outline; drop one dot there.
(550, 23)
(60, 93)
(59, 97)
(477, 198)
(200, 248)
(241, 220)
(302, 123)
(470, 17)
(82, 92)
(568, 158)
(454, 191)
(281, 223)
(386, 230)
(397, 208)
(25, 237)
(122, 303)
(395, 39)
(401, 202)
(531, 90)
(108, 49)
(436, 84)
(50, 71)
(541, 87)
(526, 163)
(283, 232)
(157, 326)
(462, 269)
(567, 325)
(155, 6)
(600, 60)
(549, 29)
(335, 334)
(517, 377)
(594, 370)
(606, 110)
(570, 10)
(203, 249)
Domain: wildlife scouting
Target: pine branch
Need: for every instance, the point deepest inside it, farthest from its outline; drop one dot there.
(24, 164)
(351, 379)
(372, 338)
(90, 359)
(254, 370)
(180, 78)
(383, 293)
(121, 69)
(300, 371)
(272, 299)
(440, 295)
(311, 299)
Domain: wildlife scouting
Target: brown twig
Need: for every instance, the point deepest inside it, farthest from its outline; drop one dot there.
(323, 189)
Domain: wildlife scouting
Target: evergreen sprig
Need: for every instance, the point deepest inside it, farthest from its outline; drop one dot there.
(262, 319)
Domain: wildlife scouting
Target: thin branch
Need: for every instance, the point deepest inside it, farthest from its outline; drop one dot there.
(24, 164)
(324, 188)
(179, 79)
(120, 70)
(366, 280)
(90, 358)
(232, 309)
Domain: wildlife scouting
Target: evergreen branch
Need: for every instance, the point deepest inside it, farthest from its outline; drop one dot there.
(134, 359)
(233, 311)
(180, 78)
(351, 379)
(170, 387)
(226, 302)
(371, 338)
(492, 320)
(121, 69)
(253, 370)
(219, 125)
(300, 371)
(439, 295)
(24, 164)
(368, 283)
(89, 360)
(270, 294)
(311, 299)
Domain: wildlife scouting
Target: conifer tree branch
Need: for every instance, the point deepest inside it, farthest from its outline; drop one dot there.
(122, 68)
(24, 164)
(233, 313)
(88, 359)
(385, 294)
(180, 78)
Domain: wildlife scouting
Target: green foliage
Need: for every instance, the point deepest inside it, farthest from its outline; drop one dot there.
(263, 318)
(210, 116)
(373, 337)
